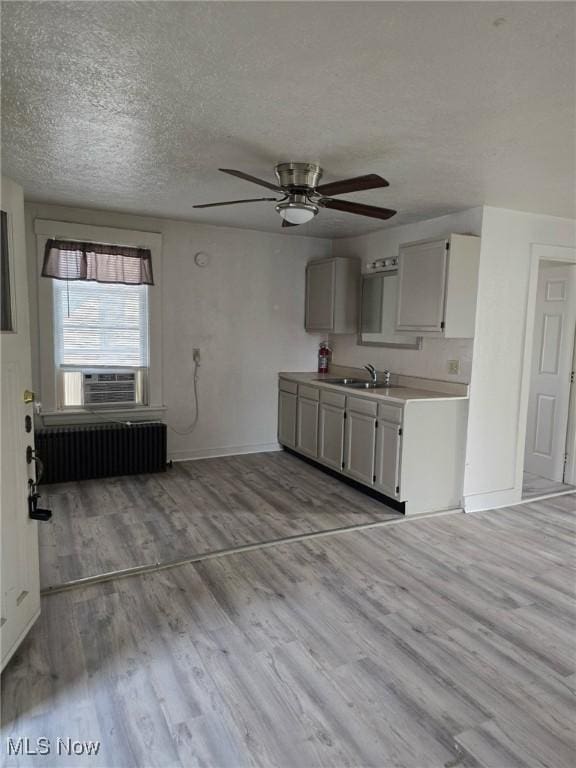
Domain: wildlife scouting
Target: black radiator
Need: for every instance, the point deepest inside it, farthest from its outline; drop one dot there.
(100, 450)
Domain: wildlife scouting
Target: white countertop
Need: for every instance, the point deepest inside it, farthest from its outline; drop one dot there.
(398, 394)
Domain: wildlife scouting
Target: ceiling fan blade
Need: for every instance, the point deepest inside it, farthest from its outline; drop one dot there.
(358, 208)
(370, 181)
(253, 179)
(286, 223)
(235, 202)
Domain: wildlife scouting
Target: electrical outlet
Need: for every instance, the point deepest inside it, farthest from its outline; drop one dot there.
(454, 367)
(196, 355)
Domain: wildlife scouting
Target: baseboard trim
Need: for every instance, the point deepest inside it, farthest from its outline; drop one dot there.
(482, 502)
(230, 450)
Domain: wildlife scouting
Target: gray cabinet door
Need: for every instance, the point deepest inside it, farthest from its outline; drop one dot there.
(287, 403)
(422, 287)
(360, 445)
(320, 296)
(307, 430)
(331, 435)
(387, 472)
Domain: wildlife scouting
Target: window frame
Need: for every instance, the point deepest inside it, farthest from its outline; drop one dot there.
(45, 229)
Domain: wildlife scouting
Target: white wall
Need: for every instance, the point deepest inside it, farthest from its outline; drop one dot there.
(245, 311)
(430, 361)
(497, 416)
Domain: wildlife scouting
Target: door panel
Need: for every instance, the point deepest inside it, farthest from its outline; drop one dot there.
(331, 435)
(307, 431)
(320, 279)
(287, 419)
(360, 447)
(421, 287)
(20, 589)
(554, 325)
(388, 458)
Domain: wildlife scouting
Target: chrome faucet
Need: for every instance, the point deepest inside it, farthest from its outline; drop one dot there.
(374, 375)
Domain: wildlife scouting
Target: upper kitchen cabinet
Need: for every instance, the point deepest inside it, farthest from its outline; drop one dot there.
(437, 287)
(332, 290)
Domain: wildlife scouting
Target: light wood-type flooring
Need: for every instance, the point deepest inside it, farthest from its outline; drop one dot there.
(534, 486)
(198, 506)
(442, 642)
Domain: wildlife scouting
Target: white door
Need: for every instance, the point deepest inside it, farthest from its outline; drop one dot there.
(287, 419)
(360, 445)
(422, 287)
(20, 590)
(554, 326)
(388, 458)
(307, 431)
(331, 435)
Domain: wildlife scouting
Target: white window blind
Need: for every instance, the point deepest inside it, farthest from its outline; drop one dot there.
(100, 324)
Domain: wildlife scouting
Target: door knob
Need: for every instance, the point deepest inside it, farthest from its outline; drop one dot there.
(29, 396)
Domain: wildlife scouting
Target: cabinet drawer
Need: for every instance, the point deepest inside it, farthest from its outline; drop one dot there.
(333, 398)
(359, 405)
(391, 413)
(288, 386)
(309, 392)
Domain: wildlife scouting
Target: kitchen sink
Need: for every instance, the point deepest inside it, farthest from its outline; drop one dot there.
(344, 382)
(357, 383)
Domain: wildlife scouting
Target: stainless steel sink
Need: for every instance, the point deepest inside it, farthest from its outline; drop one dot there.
(357, 383)
(364, 385)
(345, 382)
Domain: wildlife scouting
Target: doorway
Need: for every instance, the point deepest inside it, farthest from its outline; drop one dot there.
(550, 442)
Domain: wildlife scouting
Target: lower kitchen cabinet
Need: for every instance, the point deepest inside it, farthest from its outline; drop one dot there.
(307, 426)
(387, 471)
(411, 452)
(331, 434)
(287, 405)
(360, 440)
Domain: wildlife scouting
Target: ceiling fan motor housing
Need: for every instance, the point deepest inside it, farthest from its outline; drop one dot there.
(298, 175)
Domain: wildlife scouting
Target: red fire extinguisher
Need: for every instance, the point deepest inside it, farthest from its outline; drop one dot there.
(324, 357)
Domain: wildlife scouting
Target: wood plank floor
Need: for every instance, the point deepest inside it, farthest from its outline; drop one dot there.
(198, 506)
(437, 643)
(534, 486)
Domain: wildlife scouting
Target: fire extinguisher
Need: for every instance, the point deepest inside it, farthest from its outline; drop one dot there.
(324, 357)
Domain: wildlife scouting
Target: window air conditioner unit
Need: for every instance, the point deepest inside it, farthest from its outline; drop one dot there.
(109, 388)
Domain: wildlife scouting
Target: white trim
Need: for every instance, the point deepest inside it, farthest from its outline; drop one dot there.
(538, 252)
(570, 470)
(232, 450)
(530, 499)
(45, 229)
(482, 502)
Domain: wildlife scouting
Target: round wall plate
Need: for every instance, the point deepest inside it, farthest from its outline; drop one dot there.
(201, 259)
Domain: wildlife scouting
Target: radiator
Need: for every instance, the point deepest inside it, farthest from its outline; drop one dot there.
(100, 450)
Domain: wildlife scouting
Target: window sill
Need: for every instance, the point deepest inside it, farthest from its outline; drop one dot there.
(82, 416)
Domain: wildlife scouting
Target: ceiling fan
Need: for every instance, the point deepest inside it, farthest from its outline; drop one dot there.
(303, 197)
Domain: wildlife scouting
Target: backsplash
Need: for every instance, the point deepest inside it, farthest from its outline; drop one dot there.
(430, 362)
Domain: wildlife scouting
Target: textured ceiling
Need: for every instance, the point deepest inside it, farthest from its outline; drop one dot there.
(132, 106)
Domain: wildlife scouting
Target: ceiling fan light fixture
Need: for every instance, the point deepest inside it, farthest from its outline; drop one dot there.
(297, 213)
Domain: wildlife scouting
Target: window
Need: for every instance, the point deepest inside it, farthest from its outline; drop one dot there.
(98, 326)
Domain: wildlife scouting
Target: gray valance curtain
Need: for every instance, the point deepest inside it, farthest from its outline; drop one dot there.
(67, 260)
